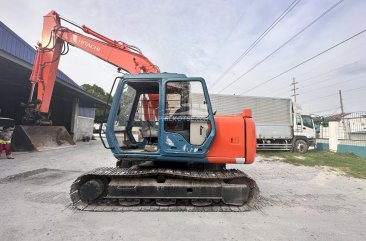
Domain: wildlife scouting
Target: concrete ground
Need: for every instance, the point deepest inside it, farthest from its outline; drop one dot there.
(297, 203)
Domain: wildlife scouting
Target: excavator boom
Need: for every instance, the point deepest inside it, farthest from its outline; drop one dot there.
(55, 42)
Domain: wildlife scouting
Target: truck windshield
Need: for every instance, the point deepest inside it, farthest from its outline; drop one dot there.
(307, 121)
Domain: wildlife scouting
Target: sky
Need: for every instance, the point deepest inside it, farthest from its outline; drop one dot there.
(204, 38)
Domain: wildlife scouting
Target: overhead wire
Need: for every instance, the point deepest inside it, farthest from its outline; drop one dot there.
(305, 61)
(325, 110)
(225, 40)
(314, 78)
(283, 45)
(312, 83)
(343, 91)
(335, 111)
(333, 70)
(338, 82)
(247, 51)
(347, 96)
(280, 90)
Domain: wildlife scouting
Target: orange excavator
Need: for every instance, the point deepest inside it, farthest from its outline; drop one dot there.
(171, 148)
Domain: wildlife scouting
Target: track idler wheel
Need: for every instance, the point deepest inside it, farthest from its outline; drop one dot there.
(92, 189)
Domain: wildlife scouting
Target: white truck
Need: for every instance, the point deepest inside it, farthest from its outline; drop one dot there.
(280, 125)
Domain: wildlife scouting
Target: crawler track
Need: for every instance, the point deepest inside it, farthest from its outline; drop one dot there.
(107, 203)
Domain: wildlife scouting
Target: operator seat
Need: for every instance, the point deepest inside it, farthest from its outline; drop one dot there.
(181, 122)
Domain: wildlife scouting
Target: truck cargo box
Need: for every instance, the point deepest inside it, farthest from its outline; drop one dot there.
(272, 116)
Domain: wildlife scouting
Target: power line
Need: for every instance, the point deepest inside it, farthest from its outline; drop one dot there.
(334, 112)
(326, 96)
(226, 39)
(279, 90)
(283, 45)
(335, 69)
(246, 52)
(332, 84)
(320, 87)
(311, 84)
(325, 110)
(305, 61)
(354, 96)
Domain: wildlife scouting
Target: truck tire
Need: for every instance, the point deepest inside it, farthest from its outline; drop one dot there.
(301, 146)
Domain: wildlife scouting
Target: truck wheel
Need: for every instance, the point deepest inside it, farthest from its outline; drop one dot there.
(301, 146)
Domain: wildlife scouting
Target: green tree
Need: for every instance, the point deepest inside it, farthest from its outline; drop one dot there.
(98, 92)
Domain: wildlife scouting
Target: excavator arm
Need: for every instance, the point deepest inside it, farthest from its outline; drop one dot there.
(55, 42)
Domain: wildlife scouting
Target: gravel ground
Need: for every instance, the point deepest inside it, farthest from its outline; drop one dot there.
(297, 203)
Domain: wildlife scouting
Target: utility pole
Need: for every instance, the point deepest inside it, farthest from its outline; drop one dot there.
(345, 129)
(341, 101)
(294, 88)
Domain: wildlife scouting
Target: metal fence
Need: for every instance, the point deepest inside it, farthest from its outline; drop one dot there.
(352, 128)
(347, 135)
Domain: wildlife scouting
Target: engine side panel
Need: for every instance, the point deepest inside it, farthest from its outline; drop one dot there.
(229, 143)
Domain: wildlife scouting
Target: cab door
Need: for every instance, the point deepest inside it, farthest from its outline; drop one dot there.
(188, 126)
(308, 128)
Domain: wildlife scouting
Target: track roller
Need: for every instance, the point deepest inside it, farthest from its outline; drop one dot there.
(129, 201)
(201, 202)
(166, 202)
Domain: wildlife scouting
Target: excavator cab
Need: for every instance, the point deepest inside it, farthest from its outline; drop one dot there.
(161, 117)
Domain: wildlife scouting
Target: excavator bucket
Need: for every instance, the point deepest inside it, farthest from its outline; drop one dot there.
(40, 138)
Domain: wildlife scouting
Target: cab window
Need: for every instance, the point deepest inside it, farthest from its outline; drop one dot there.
(307, 121)
(186, 111)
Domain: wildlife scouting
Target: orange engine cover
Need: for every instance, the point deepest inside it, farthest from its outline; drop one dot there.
(235, 140)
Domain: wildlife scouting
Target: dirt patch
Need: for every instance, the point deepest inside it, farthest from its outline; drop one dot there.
(50, 197)
(271, 158)
(22, 175)
(42, 177)
(333, 170)
(300, 157)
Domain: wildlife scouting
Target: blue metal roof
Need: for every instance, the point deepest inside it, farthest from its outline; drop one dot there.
(11, 43)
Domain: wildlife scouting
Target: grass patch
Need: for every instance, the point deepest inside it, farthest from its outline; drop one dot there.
(347, 163)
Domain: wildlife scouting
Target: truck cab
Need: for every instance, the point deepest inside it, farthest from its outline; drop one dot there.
(304, 132)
